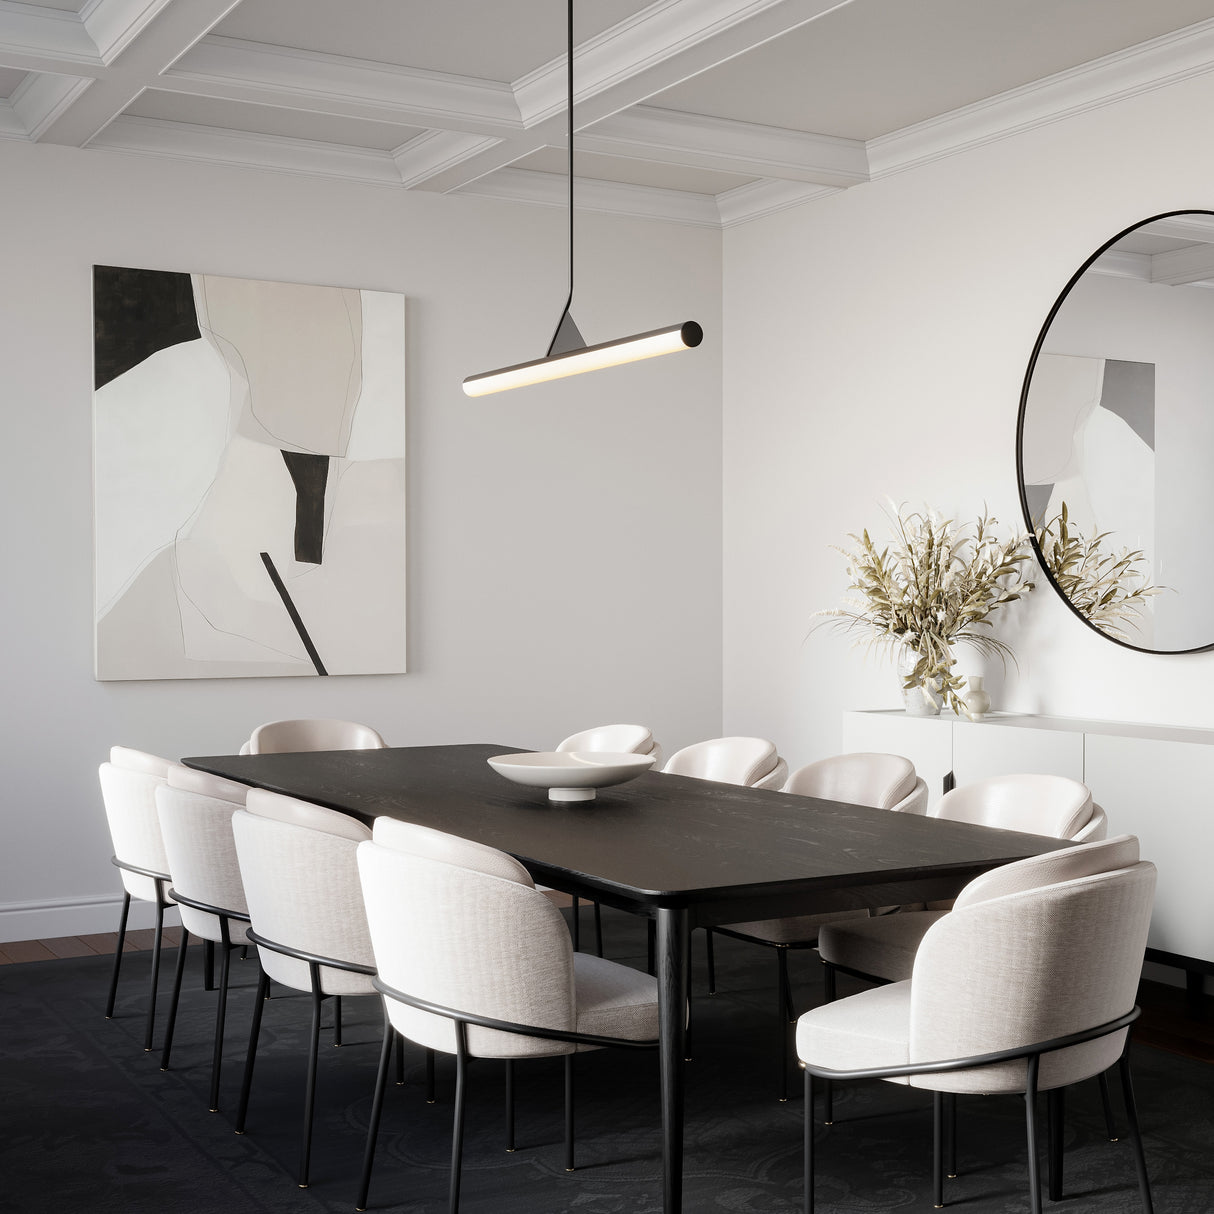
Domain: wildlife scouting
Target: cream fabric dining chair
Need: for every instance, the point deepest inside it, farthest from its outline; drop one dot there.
(300, 876)
(880, 781)
(610, 739)
(276, 737)
(474, 961)
(1027, 985)
(195, 811)
(750, 762)
(128, 791)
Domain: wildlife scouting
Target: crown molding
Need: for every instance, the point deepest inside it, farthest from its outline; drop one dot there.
(43, 97)
(757, 199)
(211, 145)
(44, 39)
(671, 137)
(437, 151)
(114, 24)
(1182, 267)
(237, 70)
(11, 127)
(607, 197)
(1140, 69)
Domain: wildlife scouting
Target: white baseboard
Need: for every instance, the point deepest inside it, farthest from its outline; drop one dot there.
(47, 920)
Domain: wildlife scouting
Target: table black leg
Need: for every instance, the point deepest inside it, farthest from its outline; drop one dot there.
(673, 931)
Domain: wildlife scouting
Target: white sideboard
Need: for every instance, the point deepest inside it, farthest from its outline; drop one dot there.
(1153, 781)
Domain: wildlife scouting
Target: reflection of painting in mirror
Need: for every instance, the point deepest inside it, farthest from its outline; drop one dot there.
(249, 487)
(1129, 449)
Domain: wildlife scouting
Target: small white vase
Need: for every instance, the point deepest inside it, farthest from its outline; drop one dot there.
(921, 701)
(976, 699)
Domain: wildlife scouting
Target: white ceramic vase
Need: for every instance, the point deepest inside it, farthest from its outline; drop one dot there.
(921, 701)
(977, 700)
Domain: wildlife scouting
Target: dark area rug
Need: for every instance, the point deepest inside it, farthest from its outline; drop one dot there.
(91, 1123)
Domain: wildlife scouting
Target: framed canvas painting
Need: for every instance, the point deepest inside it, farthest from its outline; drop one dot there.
(249, 480)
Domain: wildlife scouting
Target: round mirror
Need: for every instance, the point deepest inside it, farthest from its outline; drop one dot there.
(1115, 441)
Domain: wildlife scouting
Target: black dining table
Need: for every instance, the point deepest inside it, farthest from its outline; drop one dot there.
(685, 852)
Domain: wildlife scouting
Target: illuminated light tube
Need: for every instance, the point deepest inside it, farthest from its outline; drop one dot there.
(590, 358)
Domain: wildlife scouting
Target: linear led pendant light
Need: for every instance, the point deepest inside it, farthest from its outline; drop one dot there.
(568, 353)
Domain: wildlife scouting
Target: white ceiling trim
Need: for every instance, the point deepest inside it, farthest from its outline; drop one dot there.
(608, 197)
(435, 152)
(211, 145)
(114, 24)
(332, 84)
(11, 127)
(1180, 267)
(671, 137)
(759, 198)
(44, 39)
(1123, 265)
(1102, 82)
(43, 97)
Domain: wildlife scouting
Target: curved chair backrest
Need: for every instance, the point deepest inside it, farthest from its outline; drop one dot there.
(1097, 827)
(1031, 965)
(276, 737)
(863, 778)
(450, 849)
(750, 762)
(300, 875)
(465, 939)
(129, 796)
(201, 849)
(202, 782)
(139, 760)
(1038, 804)
(616, 739)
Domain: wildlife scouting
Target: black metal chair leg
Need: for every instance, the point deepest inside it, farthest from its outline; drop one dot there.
(122, 917)
(938, 1150)
(377, 1105)
(785, 1000)
(178, 971)
(828, 1102)
(430, 1096)
(457, 1128)
(1030, 1125)
(576, 925)
(569, 1112)
(598, 929)
(1055, 1120)
(829, 982)
(246, 1084)
(712, 961)
(221, 1012)
(156, 944)
(509, 1106)
(400, 1061)
(1131, 1110)
(950, 1135)
(208, 965)
(305, 1154)
(808, 1145)
(336, 1020)
(1110, 1122)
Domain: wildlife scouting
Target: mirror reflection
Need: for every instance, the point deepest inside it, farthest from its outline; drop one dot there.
(1116, 436)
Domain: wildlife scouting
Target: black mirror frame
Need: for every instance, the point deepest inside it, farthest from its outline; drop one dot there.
(1024, 396)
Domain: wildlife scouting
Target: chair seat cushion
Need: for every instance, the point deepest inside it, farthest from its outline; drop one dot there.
(796, 929)
(614, 1000)
(884, 947)
(871, 1029)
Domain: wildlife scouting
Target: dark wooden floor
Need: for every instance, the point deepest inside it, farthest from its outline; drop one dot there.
(1172, 1018)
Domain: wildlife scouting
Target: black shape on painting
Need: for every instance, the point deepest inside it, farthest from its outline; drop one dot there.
(310, 474)
(289, 603)
(136, 313)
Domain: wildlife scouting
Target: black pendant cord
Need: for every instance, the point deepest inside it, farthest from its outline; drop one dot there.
(569, 89)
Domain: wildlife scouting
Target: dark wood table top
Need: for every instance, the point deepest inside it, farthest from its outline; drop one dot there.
(729, 853)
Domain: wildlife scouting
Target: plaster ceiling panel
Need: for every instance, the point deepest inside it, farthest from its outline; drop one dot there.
(270, 120)
(632, 172)
(493, 41)
(63, 6)
(10, 81)
(875, 66)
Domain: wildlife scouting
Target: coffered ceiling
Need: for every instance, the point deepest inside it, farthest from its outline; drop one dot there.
(699, 111)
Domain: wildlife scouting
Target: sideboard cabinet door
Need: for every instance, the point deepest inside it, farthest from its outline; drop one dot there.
(988, 748)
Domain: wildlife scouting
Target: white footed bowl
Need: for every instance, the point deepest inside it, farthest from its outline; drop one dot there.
(570, 775)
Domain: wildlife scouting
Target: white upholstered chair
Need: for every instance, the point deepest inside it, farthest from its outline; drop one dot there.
(881, 781)
(884, 947)
(300, 876)
(474, 961)
(608, 739)
(1026, 985)
(195, 811)
(750, 762)
(128, 791)
(275, 737)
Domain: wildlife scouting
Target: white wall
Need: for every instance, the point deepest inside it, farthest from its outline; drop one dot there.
(876, 343)
(564, 541)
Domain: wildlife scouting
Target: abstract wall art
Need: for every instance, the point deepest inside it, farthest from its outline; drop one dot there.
(249, 481)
